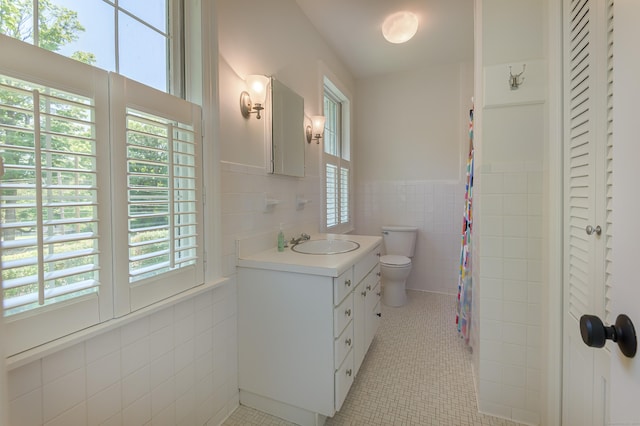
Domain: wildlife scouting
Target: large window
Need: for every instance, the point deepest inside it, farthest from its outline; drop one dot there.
(337, 155)
(140, 40)
(101, 199)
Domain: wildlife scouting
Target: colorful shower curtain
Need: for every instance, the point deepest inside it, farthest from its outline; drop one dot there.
(463, 316)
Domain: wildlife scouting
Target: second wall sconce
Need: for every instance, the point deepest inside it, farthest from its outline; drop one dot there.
(252, 100)
(316, 130)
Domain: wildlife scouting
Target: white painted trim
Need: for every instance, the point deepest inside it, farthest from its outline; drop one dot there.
(201, 39)
(4, 398)
(552, 381)
(36, 353)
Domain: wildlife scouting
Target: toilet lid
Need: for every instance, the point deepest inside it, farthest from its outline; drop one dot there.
(395, 260)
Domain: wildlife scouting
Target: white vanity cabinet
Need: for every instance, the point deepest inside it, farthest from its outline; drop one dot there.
(367, 314)
(302, 336)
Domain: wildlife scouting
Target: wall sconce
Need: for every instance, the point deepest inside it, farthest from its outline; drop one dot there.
(316, 130)
(253, 100)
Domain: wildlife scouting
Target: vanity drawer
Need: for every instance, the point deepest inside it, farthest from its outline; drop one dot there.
(342, 286)
(371, 280)
(372, 299)
(342, 315)
(344, 380)
(362, 268)
(342, 345)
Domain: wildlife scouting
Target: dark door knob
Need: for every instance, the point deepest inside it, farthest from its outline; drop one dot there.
(595, 333)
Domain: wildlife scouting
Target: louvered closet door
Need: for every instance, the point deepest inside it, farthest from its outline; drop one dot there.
(588, 28)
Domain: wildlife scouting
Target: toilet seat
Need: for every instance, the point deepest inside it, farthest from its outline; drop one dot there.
(395, 261)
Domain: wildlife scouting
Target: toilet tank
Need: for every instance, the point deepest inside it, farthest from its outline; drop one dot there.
(400, 240)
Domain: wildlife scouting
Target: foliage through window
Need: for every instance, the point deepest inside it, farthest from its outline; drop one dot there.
(48, 198)
(136, 39)
(161, 194)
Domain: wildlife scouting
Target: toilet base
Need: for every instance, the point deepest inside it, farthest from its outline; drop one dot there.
(394, 293)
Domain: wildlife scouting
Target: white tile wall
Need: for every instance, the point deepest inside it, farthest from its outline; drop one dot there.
(244, 189)
(436, 208)
(509, 282)
(175, 366)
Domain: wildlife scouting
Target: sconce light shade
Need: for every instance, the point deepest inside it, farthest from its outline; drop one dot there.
(253, 99)
(400, 27)
(316, 130)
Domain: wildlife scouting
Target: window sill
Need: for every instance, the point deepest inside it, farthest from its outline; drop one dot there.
(23, 358)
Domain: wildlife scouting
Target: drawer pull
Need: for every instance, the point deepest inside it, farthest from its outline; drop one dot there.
(378, 274)
(378, 254)
(379, 314)
(369, 287)
(378, 293)
(364, 293)
(348, 342)
(349, 372)
(347, 283)
(348, 312)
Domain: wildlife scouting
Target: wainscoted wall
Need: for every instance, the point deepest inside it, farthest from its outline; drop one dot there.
(244, 189)
(436, 208)
(511, 292)
(177, 366)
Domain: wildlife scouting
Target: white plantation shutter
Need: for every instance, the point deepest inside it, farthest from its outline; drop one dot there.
(159, 195)
(332, 203)
(344, 195)
(161, 188)
(102, 197)
(49, 200)
(54, 139)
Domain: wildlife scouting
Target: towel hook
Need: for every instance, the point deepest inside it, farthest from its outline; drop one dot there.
(515, 80)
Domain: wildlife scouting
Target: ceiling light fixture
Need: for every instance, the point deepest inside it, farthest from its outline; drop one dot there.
(400, 27)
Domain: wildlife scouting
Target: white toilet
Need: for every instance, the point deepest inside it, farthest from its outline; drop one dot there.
(395, 266)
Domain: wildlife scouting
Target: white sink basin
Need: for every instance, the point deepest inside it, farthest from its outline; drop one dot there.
(325, 246)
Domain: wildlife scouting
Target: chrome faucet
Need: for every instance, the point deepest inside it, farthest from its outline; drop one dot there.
(302, 237)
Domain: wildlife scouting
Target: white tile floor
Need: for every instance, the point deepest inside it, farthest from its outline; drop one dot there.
(417, 372)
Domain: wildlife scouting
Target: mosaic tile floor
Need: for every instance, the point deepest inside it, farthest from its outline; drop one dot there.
(417, 372)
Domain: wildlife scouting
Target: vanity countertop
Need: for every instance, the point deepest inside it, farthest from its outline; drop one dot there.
(331, 265)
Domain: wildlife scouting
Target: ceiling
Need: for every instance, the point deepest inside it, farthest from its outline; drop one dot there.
(353, 29)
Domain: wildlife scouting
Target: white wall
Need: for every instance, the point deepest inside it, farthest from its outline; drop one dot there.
(272, 38)
(173, 364)
(508, 277)
(177, 366)
(410, 155)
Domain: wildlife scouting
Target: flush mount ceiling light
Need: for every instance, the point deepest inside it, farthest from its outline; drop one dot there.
(399, 27)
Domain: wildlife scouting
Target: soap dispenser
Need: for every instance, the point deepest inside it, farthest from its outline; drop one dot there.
(280, 239)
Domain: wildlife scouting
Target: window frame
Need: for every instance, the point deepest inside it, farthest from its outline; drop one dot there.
(26, 330)
(115, 296)
(175, 41)
(342, 161)
(127, 93)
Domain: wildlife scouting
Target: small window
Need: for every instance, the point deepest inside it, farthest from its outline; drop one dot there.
(337, 161)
